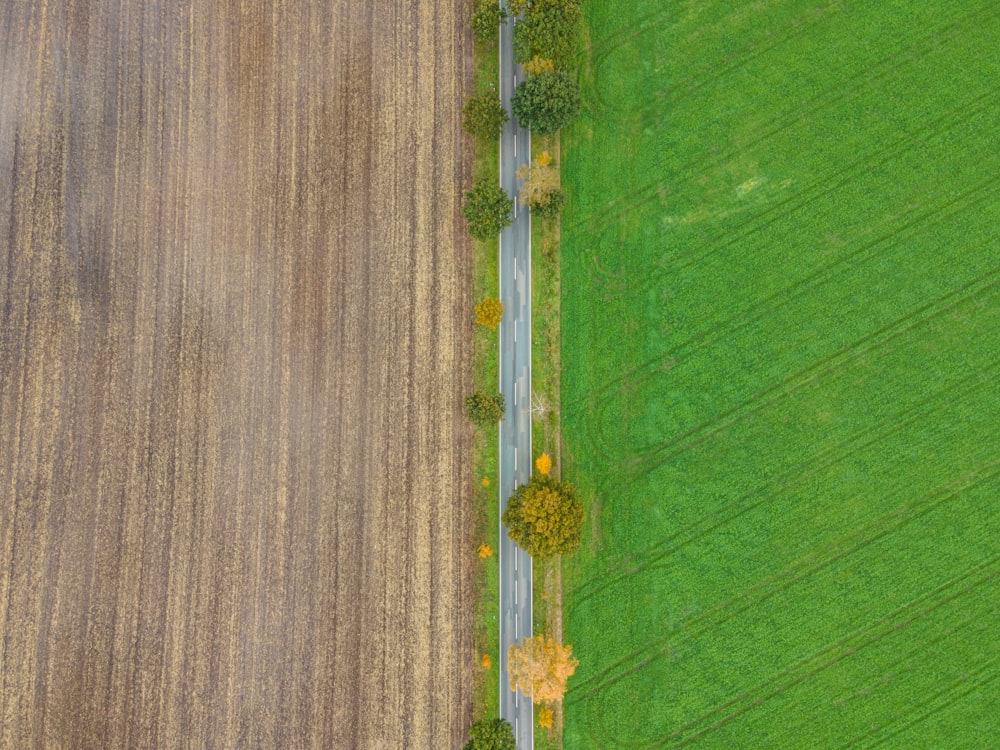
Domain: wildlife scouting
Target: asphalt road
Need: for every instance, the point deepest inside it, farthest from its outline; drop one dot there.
(515, 384)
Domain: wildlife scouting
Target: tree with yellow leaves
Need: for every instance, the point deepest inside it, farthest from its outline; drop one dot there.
(543, 463)
(485, 550)
(540, 187)
(540, 666)
(545, 517)
(538, 64)
(545, 716)
(489, 312)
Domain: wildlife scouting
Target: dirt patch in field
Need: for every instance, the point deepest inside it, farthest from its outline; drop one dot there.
(236, 332)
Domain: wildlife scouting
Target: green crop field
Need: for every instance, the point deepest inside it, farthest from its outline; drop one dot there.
(781, 347)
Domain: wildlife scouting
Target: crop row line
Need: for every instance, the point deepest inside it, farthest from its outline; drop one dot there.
(944, 699)
(708, 74)
(621, 281)
(833, 654)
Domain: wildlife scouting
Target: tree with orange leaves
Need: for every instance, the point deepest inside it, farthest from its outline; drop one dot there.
(543, 463)
(540, 666)
(545, 717)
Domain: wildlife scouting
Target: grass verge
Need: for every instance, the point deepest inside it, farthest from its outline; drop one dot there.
(545, 425)
(485, 452)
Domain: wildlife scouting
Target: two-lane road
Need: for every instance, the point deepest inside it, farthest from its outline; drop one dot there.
(515, 384)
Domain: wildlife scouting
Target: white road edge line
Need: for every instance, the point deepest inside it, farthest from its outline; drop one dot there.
(500, 56)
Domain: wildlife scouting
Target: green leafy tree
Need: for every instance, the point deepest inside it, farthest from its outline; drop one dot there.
(483, 115)
(491, 734)
(546, 102)
(551, 206)
(487, 209)
(545, 517)
(548, 29)
(487, 15)
(485, 409)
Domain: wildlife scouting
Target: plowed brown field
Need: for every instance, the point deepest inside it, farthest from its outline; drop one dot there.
(235, 338)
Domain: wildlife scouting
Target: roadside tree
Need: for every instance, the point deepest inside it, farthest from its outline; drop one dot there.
(538, 64)
(549, 29)
(540, 666)
(483, 115)
(545, 716)
(546, 102)
(545, 517)
(543, 463)
(485, 409)
(487, 209)
(489, 312)
(487, 15)
(540, 188)
(491, 734)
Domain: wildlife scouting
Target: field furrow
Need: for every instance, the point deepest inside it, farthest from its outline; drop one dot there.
(235, 334)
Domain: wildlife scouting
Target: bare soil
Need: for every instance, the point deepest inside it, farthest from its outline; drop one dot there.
(236, 332)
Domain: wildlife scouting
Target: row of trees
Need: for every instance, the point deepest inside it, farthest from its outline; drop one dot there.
(548, 28)
(545, 39)
(544, 103)
(545, 516)
(539, 667)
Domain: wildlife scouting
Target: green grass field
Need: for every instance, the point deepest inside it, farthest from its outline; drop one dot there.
(781, 345)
